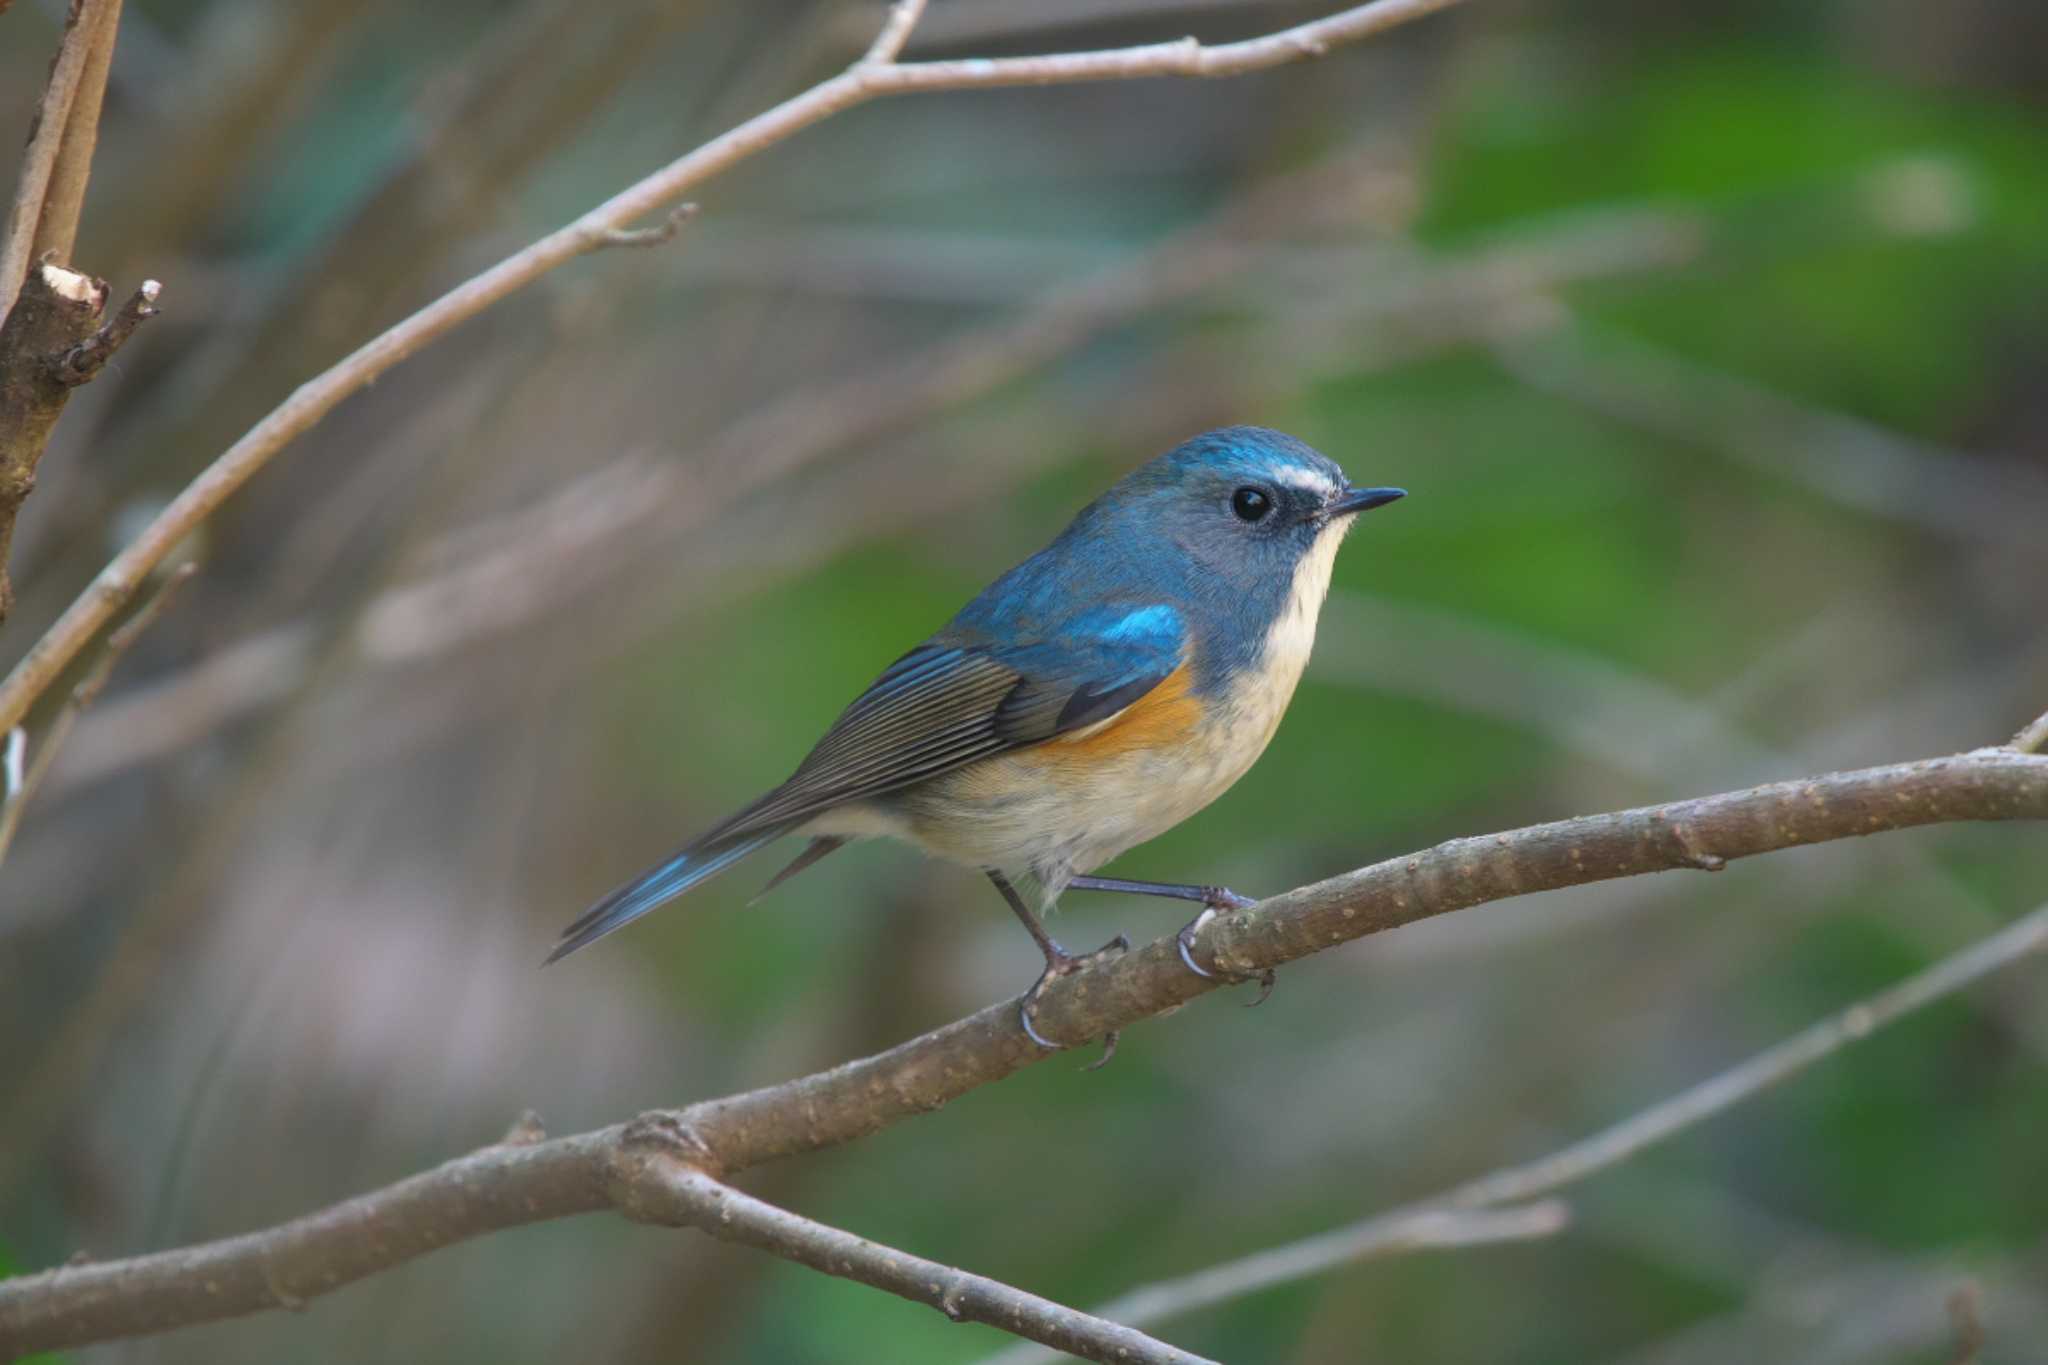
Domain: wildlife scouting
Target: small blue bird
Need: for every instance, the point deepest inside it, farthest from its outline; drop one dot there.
(1091, 698)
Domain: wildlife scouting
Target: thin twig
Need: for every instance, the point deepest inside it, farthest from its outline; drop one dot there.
(83, 362)
(1394, 1231)
(17, 249)
(83, 695)
(2033, 737)
(888, 44)
(64, 201)
(506, 1186)
(313, 400)
(1852, 461)
(676, 1193)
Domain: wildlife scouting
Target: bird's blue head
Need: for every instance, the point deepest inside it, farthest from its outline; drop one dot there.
(1243, 507)
(1237, 528)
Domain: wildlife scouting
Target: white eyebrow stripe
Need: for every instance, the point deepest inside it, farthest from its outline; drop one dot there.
(1294, 476)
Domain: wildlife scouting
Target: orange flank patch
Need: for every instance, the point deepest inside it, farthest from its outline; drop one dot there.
(1163, 718)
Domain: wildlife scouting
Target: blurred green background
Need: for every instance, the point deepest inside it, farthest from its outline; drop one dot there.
(1711, 341)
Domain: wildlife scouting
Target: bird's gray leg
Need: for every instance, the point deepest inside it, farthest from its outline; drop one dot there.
(1212, 898)
(1058, 963)
(1215, 897)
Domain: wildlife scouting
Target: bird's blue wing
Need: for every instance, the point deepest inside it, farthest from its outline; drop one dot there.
(958, 698)
(961, 696)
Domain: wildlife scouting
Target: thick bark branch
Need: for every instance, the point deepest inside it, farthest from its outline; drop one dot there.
(56, 310)
(50, 343)
(525, 1182)
(48, 311)
(864, 81)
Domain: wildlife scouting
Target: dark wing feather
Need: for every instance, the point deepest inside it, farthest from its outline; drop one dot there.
(944, 705)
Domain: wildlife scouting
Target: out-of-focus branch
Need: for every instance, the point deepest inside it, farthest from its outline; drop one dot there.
(665, 1190)
(1846, 459)
(888, 44)
(863, 82)
(99, 21)
(506, 1186)
(1512, 1185)
(46, 144)
(87, 691)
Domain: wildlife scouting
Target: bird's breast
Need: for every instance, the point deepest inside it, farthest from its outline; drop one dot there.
(1074, 802)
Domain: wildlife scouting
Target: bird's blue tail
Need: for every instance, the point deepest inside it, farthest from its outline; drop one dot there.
(657, 886)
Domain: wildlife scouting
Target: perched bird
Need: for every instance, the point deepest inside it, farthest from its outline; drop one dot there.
(1093, 697)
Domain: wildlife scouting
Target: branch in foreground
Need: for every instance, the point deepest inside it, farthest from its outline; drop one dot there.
(46, 141)
(509, 1185)
(83, 362)
(1396, 1230)
(864, 81)
(98, 22)
(48, 346)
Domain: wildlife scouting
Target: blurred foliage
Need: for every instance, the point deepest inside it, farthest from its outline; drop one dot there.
(341, 987)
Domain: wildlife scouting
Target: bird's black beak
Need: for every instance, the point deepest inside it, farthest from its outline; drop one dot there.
(1364, 500)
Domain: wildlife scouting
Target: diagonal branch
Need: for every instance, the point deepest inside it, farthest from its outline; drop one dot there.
(861, 83)
(678, 1194)
(526, 1182)
(903, 17)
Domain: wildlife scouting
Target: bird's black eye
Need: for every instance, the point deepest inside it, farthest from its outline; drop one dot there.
(1250, 504)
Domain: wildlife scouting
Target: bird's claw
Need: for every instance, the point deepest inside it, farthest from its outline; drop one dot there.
(1185, 942)
(1066, 964)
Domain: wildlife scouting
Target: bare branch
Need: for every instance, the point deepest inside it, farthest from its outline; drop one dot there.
(1397, 1230)
(903, 17)
(56, 309)
(64, 201)
(83, 362)
(863, 82)
(20, 789)
(17, 249)
(676, 1193)
(1855, 463)
(531, 1181)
